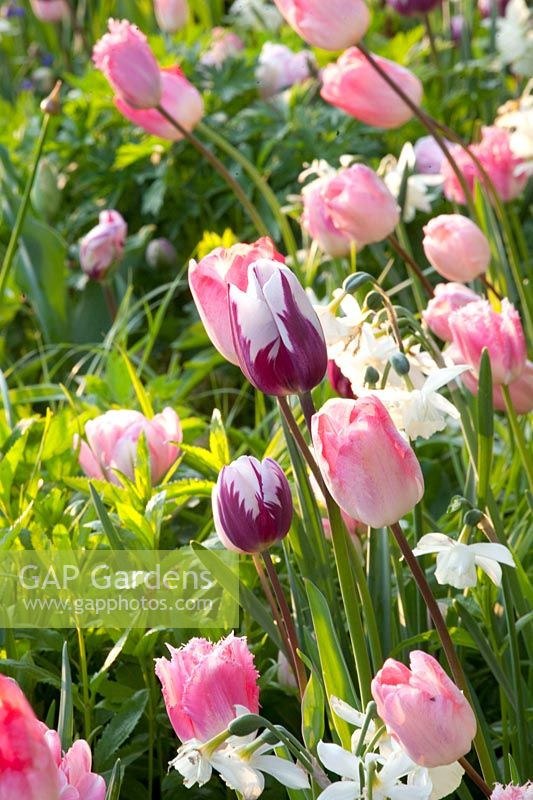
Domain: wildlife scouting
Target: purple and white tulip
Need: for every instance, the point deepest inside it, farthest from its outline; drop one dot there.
(252, 505)
(277, 336)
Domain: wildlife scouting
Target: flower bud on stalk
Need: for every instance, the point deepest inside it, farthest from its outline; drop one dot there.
(456, 248)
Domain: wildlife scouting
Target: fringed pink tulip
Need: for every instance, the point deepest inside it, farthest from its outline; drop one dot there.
(521, 390)
(424, 710)
(476, 326)
(27, 767)
(112, 442)
(171, 15)
(448, 297)
(456, 248)
(204, 681)
(224, 44)
(209, 280)
(317, 220)
(512, 792)
(369, 468)
(496, 156)
(277, 335)
(179, 98)
(76, 778)
(124, 56)
(103, 246)
(278, 68)
(252, 505)
(334, 25)
(353, 85)
(50, 10)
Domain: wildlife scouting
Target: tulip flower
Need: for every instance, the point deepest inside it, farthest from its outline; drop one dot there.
(112, 441)
(428, 155)
(512, 792)
(521, 389)
(77, 780)
(161, 254)
(27, 768)
(448, 297)
(456, 248)
(353, 84)
(353, 440)
(103, 246)
(476, 326)
(339, 381)
(317, 220)
(424, 710)
(124, 56)
(410, 8)
(276, 332)
(50, 10)
(278, 68)
(334, 25)
(224, 44)
(171, 15)
(204, 681)
(252, 505)
(179, 98)
(209, 280)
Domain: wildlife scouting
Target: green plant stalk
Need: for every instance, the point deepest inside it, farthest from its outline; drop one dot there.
(22, 209)
(367, 604)
(518, 435)
(411, 264)
(217, 164)
(85, 685)
(260, 183)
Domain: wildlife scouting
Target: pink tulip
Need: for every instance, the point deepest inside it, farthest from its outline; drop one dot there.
(224, 45)
(112, 441)
(278, 67)
(456, 248)
(447, 297)
(424, 710)
(125, 58)
(339, 381)
(476, 326)
(521, 390)
(27, 768)
(50, 10)
(179, 98)
(277, 335)
(209, 280)
(103, 246)
(334, 25)
(360, 205)
(429, 156)
(252, 505)
(511, 792)
(317, 221)
(497, 158)
(353, 85)
(171, 15)
(353, 440)
(76, 778)
(204, 681)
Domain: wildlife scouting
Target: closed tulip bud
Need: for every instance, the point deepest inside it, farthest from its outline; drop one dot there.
(317, 221)
(161, 254)
(339, 381)
(476, 326)
(424, 710)
(45, 194)
(209, 280)
(353, 440)
(50, 10)
(334, 25)
(277, 335)
(410, 8)
(429, 156)
(448, 297)
(27, 767)
(252, 505)
(103, 246)
(112, 443)
(124, 56)
(171, 15)
(179, 98)
(456, 248)
(353, 85)
(203, 682)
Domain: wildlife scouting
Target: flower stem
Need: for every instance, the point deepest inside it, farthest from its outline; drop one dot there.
(446, 641)
(110, 300)
(217, 164)
(475, 777)
(518, 435)
(411, 263)
(22, 209)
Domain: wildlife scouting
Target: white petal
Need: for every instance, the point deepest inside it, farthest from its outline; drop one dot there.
(346, 711)
(433, 543)
(284, 771)
(445, 780)
(441, 377)
(493, 551)
(342, 790)
(253, 320)
(338, 760)
(491, 568)
(239, 775)
(456, 567)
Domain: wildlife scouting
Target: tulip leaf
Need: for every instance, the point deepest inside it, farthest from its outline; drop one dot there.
(485, 427)
(115, 782)
(110, 530)
(313, 712)
(65, 725)
(218, 440)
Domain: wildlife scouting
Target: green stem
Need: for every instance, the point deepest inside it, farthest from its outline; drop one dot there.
(85, 685)
(518, 435)
(262, 186)
(110, 300)
(411, 263)
(217, 164)
(22, 209)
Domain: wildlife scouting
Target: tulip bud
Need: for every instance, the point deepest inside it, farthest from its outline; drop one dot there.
(334, 25)
(103, 246)
(278, 68)
(124, 56)
(161, 254)
(171, 15)
(456, 248)
(252, 505)
(45, 194)
(276, 333)
(317, 221)
(429, 155)
(353, 439)
(353, 84)
(424, 710)
(476, 326)
(50, 10)
(448, 297)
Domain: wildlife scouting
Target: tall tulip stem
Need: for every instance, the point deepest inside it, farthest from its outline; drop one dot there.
(217, 164)
(475, 777)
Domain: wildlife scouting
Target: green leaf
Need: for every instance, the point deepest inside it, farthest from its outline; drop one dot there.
(313, 712)
(65, 724)
(218, 440)
(111, 532)
(485, 426)
(119, 729)
(115, 782)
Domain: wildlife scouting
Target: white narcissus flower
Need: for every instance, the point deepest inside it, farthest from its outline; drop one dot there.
(338, 330)
(457, 562)
(514, 37)
(420, 189)
(243, 771)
